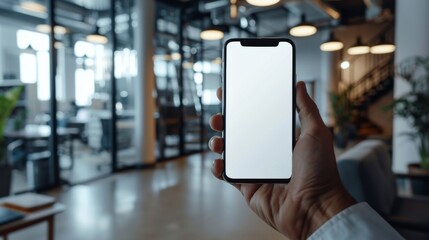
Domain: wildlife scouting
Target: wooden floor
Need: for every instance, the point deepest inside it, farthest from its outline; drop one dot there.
(179, 199)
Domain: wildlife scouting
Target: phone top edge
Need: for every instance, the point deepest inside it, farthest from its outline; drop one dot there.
(260, 42)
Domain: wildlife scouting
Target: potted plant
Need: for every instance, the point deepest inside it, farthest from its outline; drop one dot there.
(341, 112)
(414, 107)
(8, 101)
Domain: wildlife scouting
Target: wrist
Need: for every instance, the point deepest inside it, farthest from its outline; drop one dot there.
(324, 208)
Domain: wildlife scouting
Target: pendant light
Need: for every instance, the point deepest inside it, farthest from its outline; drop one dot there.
(45, 28)
(359, 48)
(96, 37)
(304, 29)
(233, 9)
(332, 44)
(383, 47)
(33, 6)
(262, 3)
(212, 33)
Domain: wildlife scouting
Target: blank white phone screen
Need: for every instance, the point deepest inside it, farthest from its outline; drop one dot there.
(258, 111)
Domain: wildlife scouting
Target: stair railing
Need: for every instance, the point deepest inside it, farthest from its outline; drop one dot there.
(369, 70)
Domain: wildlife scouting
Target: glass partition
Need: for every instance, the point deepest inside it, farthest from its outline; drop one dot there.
(126, 75)
(166, 67)
(25, 63)
(83, 86)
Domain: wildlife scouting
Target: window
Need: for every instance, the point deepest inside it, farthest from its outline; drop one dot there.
(34, 40)
(43, 76)
(125, 63)
(93, 70)
(28, 67)
(84, 86)
(34, 61)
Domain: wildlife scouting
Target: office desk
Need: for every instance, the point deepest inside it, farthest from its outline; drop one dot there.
(36, 132)
(32, 218)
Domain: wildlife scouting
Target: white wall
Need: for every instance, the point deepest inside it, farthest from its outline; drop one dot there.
(412, 39)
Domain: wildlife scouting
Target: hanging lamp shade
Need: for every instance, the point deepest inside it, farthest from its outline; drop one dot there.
(33, 6)
(262, 3)
(359, 48)
(45, 28)
(212, 33)
(97, 38)
(332, 44)
(383, 47)
(303, 29)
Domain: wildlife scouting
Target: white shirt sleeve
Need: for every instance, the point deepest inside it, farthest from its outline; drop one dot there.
(359, 221)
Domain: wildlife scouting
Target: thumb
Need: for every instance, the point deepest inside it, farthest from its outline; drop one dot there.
(308, 112)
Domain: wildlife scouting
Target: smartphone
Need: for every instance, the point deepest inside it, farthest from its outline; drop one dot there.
(259, 110)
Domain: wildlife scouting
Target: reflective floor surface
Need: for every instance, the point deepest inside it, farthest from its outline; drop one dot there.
(179, 199)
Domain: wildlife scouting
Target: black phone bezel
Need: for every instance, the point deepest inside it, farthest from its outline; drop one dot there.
(258, 42)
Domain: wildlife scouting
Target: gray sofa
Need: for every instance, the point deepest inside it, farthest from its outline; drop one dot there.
(366, 172)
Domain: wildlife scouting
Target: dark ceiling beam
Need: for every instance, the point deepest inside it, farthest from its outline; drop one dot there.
(177, 3)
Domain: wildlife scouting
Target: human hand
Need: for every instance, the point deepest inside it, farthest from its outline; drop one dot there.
(315, 193)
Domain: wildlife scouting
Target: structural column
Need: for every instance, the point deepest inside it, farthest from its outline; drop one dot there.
(145, 83)
(412, 38)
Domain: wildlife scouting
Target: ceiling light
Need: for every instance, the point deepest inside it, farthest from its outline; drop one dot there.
(33, 6)
(345, 64)
(211, 33)
(161, 57)
(332, 44)
(188, 65)
(175, 56)
(359, 48)
(383, 48)
(97, 38)
(45, 28)
(304, 29)
(58, 45)
(217, 61)
(243, 22)
(262, 3)
(233, 9)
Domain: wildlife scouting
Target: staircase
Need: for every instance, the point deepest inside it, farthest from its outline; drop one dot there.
(373, 85)
(370, 78)
(366, 91)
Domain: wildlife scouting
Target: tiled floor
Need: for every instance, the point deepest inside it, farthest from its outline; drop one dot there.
(179, 199)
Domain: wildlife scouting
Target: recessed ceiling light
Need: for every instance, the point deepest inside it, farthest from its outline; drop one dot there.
(345, 64)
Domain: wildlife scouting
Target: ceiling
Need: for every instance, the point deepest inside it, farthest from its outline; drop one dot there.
(288, 12)
(81, 15)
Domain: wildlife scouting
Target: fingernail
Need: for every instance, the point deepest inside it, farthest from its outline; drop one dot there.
(211, 142)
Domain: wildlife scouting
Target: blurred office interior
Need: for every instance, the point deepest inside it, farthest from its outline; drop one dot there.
(116, 95)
